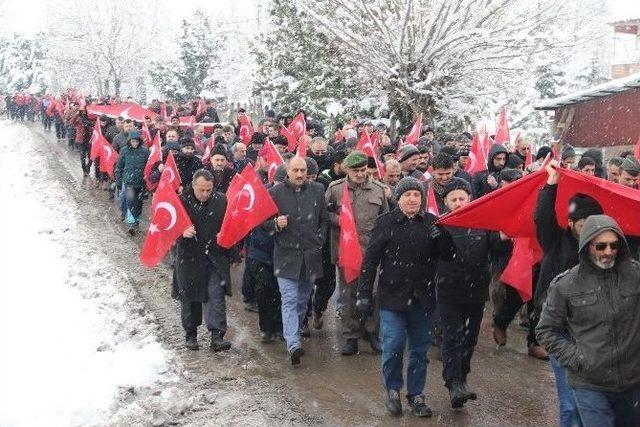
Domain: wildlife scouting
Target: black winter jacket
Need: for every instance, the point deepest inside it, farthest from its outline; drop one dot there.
(479, 183)
(407, 255)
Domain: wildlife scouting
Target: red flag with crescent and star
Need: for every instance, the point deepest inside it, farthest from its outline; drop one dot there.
(168, 221)
(108, 158)
(146, 135)
(155, 156)
(173, 174)
(349, 250)
(414, 135)
(246, 128)
(97, 141)
(272, 157)
(248, 205)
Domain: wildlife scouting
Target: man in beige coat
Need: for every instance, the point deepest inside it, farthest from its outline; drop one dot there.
(368, 200)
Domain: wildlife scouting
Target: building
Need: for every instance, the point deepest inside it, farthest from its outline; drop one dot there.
(626, 48)
(605, 116)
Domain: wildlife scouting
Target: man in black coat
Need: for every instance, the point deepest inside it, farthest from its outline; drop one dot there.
(202, 267)
(301, 229)
(405, 244)
(484, 182)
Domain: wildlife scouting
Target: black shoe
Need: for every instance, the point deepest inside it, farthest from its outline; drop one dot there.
(218, 343)
(191, 341)
(121, 216)
(456, 394)
(468, 393)
(393, 403)
(131, 231)
(295, 354)
(266, 337)
(304, 330)
(350, 347)
(251, 306)
(418, 407)
(376, 345)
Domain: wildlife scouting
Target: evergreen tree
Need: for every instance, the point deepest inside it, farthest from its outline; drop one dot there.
(22, 64)
(193, 70)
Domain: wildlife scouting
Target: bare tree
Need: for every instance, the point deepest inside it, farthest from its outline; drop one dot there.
(439, 57)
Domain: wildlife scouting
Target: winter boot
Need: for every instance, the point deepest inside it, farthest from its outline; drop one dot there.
(538, 352)
(468, 393)
(295, 354)
(350, 347)
(218, 343)
(317, 321)
(191, 341)
(499, 336)
(304, 330)
(267, 337)
(418, 407)
(393, 403)
(456, 394)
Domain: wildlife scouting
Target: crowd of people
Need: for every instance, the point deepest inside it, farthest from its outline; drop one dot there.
(420, 283)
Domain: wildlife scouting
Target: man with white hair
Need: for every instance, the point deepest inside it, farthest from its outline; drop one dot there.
(240, 160)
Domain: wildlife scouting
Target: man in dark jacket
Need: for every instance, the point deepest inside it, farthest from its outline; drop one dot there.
(443, 170)
(404, 244)
(220, 169)
(462, 286)
(202, 267)
(301, 229)
(591, 323)
(484, 182)
(129, 175)
(560, 249)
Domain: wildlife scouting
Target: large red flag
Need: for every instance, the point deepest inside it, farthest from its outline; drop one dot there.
(155, 156)
(477, 158)
(502, 128)
(518, 274)
(349, 251)
(292, 142)
(174, 177)
(272, 157)
(246, 128)
(206, 156)
(249, 205)
(168, 221)
(298, 126)
(414, 135)
(108, 158)
(617, 201)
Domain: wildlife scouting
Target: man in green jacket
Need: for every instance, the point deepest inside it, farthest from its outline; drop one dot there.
(129, 172)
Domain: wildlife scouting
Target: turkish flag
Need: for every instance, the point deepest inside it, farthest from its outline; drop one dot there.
(636, 150)
(502, 128)
(206, 156)
(414, 135)
(272, 157)
(108, 158)
(174, 175)
(349, 251)
(618, 201)
(168, 221)
(155, 155)
(163, 111)
(367, 140)
(291, 140)
(477, 155)
(248, 205)
(432, 204)
(298, 126)
(246, 128)
(518, 273)
(146, 135)
(97, 140)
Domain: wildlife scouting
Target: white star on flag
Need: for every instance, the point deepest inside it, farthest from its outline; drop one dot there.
(153, 228)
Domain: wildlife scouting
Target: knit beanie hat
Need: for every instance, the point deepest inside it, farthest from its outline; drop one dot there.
(456, 183)
(510, 175)
(582, 206)
(219, 149)
(567, 152)
(631, 166)
(542, 152)
(407, 151)
(406, 184)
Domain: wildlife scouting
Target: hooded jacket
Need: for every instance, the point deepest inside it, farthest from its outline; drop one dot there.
(479, 183)
(591, 321)
(130, 166)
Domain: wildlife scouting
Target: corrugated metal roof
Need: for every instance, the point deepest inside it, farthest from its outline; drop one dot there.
(604, 89)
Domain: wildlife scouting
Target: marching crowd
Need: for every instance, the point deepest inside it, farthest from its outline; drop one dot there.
(420, 282)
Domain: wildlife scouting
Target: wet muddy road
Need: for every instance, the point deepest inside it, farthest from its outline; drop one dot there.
(256, 384)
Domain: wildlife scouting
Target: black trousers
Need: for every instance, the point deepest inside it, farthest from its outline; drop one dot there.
(85, 162)
(507, 312)
(460, 325)
(326, 285)
(267, 295)
(214, 310)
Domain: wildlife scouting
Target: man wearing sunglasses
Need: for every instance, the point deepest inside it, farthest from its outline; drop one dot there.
(591, 323)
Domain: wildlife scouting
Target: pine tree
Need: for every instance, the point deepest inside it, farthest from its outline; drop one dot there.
(22, 64)
(192, 71)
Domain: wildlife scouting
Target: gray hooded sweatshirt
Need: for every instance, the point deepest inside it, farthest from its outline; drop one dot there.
(591, 318)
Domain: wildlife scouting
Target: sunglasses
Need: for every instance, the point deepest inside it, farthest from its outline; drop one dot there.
(603, 245)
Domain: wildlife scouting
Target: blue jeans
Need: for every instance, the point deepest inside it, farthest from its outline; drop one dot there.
(567, 408)
(608, 409)
(395, 328)
(295, 297)
(122, 199)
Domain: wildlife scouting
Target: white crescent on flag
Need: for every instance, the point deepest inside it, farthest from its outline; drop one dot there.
(125, 113)
(252, 195)
(109, 151)
(298, 127)
(244, 130)
(173, 175)
(172, 211)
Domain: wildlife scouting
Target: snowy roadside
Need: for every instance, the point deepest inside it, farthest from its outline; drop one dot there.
(97, 341)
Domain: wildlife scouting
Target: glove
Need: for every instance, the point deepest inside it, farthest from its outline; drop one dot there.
(363, 305)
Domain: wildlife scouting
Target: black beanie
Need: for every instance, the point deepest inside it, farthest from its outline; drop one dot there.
(456, 183)
(582, 206)
(510, 175)
(406, 184)
(542, 152)
(219, 149)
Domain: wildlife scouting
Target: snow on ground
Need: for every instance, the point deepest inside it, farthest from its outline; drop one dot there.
(74, 340)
